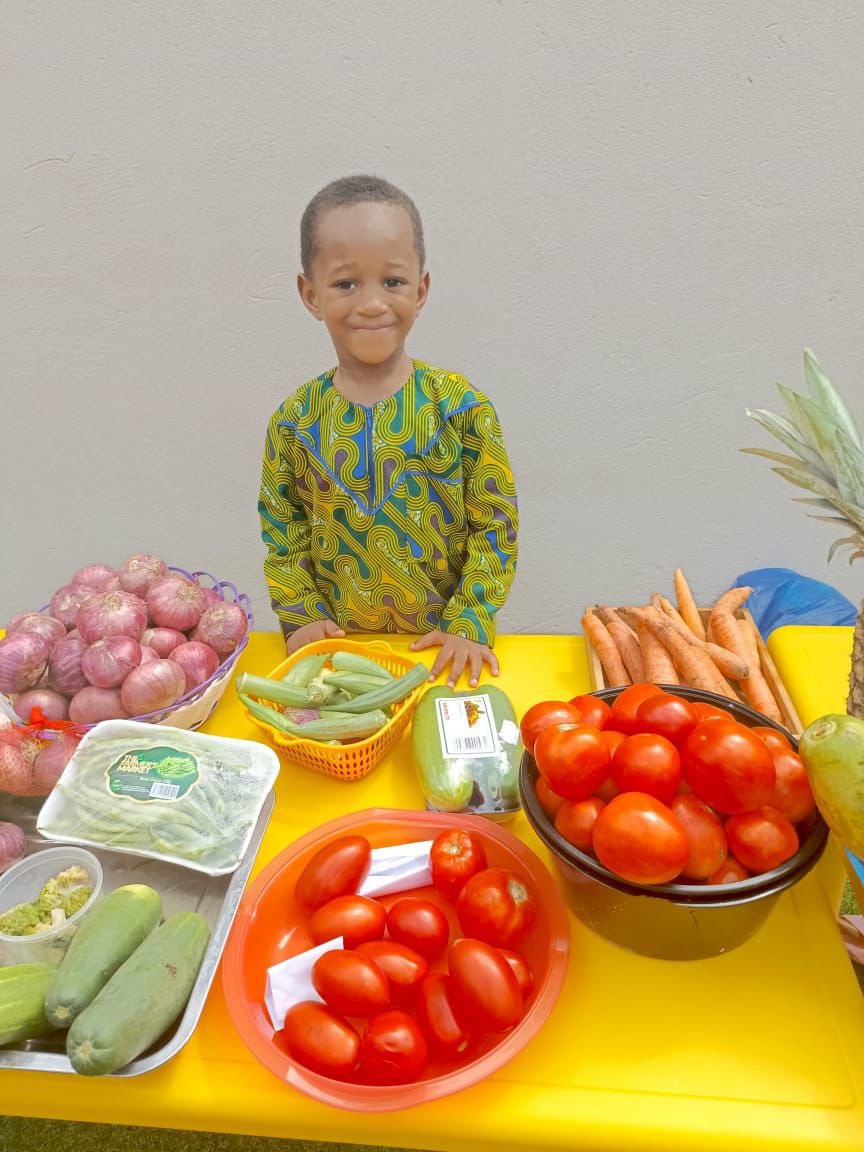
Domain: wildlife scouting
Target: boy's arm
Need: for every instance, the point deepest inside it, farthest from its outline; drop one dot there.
(286, 532)
(493, 519)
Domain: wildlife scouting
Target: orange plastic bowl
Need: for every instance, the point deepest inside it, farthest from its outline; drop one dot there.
(270, 927)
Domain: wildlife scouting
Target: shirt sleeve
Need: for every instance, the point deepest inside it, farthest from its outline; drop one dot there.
(493, 525)
(287, 534)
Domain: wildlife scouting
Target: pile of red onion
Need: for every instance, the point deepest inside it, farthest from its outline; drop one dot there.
(117, 643)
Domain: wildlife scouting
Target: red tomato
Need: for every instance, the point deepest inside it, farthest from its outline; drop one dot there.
(351, 984)
(728, 767)
(705, 837)
(762, 839)
(523, 974)
(792, 795)
(622, 716)
(484, 985)
(354, 918)
(496, 906)
(730, 872)
(594, 710)
(708, 711)
(607, 789)
(775, 740)
(439, 1017)
(668, 716)
(455, 856)
(548, 714)
(647, 763)
(337, 869)
(573, 761)
(404, 968)
(639, 839)
(550, 801)
(575, 820)
(320, 1040)
(613, 740)
(394, 1049)
(419, 924)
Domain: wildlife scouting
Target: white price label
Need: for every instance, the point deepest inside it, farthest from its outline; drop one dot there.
(467, 726)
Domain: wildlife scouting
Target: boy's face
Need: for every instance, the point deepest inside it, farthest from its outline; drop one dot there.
(365, 282)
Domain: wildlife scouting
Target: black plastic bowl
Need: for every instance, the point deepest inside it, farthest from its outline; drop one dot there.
(671, 921)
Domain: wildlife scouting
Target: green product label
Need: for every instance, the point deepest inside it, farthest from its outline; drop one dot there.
(153, 774)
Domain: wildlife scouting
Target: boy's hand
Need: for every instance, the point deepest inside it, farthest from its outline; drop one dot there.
(458, 653)
(309, 633)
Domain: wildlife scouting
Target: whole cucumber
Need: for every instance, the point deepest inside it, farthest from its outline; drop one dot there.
(22, 1001)
(142, 999)
(106, 937)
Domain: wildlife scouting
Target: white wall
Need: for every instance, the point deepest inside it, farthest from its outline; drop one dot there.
(637, 216)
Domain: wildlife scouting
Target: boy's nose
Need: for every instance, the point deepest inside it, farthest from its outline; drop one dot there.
(372, 303)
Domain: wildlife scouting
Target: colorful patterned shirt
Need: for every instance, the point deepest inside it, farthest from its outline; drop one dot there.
(399, 517)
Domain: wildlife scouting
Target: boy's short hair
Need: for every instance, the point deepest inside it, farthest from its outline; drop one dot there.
(344, 193)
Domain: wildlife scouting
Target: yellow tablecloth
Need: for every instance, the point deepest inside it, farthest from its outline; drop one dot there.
(762, 1048)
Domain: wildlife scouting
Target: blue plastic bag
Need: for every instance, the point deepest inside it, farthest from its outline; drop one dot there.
(782, 596)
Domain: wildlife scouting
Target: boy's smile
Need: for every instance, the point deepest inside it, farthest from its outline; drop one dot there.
(367, 285)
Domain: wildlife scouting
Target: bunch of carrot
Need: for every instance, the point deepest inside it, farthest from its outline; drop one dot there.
(668, 645)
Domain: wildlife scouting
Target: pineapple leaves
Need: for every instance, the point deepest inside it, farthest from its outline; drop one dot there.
(823, 394)
(777, 457)
(784, 431)
(812, 424)
(820, 488)
(850, 468)
(844, 542)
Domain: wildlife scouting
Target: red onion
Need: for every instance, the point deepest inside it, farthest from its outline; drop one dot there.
(64, 665)
(72, 632)
(212, 597)
(163, 640)
(66, 602)
(113, 585)
(175, 603)
(49, 764)
(111, 614)
(139, 572)
(107, 663)
(23, 659)
(95, 576)
(52, 705)
(152, 687)
(12, 844)
(92, 704)
(222, 627)
(16, 771)
(197, 660)
(45, 626)
(148, 654)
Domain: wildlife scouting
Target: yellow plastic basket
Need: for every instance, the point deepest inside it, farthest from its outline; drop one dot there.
(347, 761)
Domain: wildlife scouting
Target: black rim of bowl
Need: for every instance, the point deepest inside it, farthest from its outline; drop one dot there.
(810, 848)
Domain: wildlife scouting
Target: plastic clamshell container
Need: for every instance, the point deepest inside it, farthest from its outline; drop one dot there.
(22, 883)
(57, 818)
(671, 921)
(270, 927)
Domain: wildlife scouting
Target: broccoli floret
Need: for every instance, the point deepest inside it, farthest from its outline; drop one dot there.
(77, 900)
(68, 892)
(22, 920)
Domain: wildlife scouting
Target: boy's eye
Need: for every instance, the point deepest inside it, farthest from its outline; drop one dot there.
(393, 282)
(346, 285)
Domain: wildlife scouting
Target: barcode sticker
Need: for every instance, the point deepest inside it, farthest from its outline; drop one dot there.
(161, 791)
(467, 727)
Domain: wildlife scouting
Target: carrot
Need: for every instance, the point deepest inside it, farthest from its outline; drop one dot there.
(604, 646)
(729, 664)
(625, 642)
(756, 688)
(695, 666)
(732, 600)
(658, 664)
(724, 627)
(687, 605)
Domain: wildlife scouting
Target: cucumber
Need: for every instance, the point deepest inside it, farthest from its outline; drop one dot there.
(142, 999)
(107, 936)
(22, 1001)
(462, 780)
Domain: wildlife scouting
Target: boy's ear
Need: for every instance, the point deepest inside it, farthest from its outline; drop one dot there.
(422, 290)
(308, 295)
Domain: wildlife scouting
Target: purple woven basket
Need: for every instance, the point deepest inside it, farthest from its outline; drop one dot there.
(195, 708)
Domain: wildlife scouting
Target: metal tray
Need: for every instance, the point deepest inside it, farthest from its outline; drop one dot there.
(216, 898)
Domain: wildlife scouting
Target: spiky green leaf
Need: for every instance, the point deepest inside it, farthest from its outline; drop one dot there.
(821, 488)
(784, 431)
(811, 423)
(826, 396)
(843, 542)
(850, 469)
(777, 457)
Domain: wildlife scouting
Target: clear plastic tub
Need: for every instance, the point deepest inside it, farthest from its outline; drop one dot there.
(22, 884)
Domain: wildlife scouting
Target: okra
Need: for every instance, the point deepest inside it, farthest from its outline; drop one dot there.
(276, 691)
(331, 726)
(352, 662)
(390, 693)
(304, 670)
(355, 683)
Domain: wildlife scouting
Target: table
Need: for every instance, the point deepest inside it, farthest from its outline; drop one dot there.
(762, 1048)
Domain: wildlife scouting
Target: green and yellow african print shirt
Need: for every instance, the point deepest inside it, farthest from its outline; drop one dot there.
(399, 517)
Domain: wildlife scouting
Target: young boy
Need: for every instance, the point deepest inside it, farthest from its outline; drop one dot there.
(387, 502)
